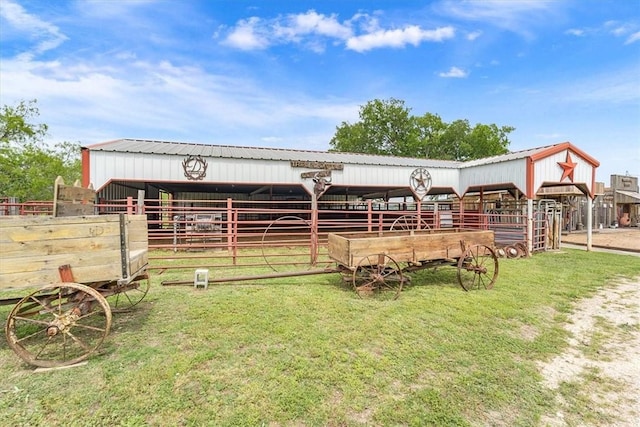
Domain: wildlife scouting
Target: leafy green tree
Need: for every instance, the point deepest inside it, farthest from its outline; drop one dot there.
(15, 127)
(28, 167)
(387, 127)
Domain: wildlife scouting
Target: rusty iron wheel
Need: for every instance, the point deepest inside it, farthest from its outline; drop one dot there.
(409, 223)
(284, 233)
(512, 251)
(378, 276)
(523, 249)
(478, 268)
(121, 301)
(58, 325)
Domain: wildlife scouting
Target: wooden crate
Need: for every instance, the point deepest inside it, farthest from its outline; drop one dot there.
(348, 249)
(99, 248)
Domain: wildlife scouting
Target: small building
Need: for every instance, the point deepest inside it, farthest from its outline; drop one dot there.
(625, 199)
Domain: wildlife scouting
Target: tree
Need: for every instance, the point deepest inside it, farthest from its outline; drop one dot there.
(387, 127)
(14, 125)
(28, 167)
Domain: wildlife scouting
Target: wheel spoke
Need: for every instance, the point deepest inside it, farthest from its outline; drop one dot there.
(78, 341)
(47, 342)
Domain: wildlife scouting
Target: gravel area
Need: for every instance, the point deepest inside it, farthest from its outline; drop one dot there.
(603, 356)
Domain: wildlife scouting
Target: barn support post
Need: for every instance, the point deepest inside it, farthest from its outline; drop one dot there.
(589, 222)
(130, 206)
(140, 208)
(530, 225)
(314, 229)
(229, 224)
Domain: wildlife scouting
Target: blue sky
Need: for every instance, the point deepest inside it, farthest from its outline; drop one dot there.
(286, 73)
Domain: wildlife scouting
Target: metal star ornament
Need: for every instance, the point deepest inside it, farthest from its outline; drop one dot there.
(568, 166)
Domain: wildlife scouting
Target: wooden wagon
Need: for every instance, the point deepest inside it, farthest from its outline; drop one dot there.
(77, 270)
(375, 261)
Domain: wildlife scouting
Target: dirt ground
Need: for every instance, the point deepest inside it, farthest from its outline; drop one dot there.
(618, 238)
(603, 357)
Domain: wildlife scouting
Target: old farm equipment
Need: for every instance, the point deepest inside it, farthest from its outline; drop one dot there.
(377, 261)
(77, 269)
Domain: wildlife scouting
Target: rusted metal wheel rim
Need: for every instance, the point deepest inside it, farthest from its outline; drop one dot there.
(409, 222)
(378, 276)
(58, 325)
(290, 230)
(123, 301)
(478, 268)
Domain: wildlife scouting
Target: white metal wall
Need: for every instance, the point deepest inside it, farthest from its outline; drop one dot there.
(548, 170)
(511, 171)
(106, 166)
(110, 165)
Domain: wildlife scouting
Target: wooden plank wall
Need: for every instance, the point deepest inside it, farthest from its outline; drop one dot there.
(72, 200)
(32, 248)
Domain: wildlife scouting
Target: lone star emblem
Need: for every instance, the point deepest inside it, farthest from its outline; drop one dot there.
(568, 166)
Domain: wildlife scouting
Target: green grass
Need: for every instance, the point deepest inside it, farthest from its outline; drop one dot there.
(307, 351)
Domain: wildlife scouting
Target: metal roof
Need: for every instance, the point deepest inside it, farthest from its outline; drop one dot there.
(631, 194)
(514, 155)
(261, 153)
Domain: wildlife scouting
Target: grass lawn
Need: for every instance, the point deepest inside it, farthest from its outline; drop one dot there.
(308, 351)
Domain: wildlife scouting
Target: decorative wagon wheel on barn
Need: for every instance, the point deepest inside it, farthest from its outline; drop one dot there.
(478, 268)
(378, 276)
(58, 325)
(409, 223)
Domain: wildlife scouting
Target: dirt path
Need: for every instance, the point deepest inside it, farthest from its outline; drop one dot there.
(602, 363)
(627, 238)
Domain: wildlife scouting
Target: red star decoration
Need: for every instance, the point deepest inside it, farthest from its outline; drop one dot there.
(568, 167)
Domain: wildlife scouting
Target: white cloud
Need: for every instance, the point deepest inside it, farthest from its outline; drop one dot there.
(633, 38)
(246, 35)
(398, 38)
(163, 100)
(474, 35)
(516, 16)
(575, 32)
(312, 23)
(313, 30)
(454, 72)
(48, 35)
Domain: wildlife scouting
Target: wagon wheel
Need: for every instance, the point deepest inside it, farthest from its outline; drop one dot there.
(409, 222)
(378, 276)
(58, 325)
(123, 298)
(478, 268)
(285, 232)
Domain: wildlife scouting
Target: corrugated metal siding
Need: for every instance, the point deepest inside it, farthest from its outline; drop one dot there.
(259, 153)
(143, 160)
(513, 171)
(548, 170)
(107, 166)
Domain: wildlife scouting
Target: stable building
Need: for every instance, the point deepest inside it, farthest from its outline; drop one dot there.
(188, 171)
